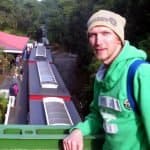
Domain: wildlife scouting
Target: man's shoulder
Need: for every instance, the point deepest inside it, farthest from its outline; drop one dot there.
(144, 69)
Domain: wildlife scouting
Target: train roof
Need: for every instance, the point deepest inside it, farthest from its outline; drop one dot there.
(38, 116)
(34, 58)
(37, 92)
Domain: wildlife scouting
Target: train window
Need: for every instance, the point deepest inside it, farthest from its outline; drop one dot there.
(46, 75)
(56, 111)
(40, 51)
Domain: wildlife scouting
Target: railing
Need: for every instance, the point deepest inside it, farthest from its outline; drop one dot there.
(41, 137)
(11, 104)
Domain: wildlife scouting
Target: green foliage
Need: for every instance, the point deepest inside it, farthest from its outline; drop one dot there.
(94, 65)
(66, 20)
(3, 107)
(145, 45)
(86, 93)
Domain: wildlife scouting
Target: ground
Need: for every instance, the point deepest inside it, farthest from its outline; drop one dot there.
(74, 78)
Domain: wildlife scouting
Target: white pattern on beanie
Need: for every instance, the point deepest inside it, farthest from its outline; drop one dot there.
(109, 19)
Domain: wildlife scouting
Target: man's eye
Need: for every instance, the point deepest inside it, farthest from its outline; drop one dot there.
(105, 33)
(91, 35)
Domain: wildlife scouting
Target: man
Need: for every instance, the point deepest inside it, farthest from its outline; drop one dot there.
(124, 129)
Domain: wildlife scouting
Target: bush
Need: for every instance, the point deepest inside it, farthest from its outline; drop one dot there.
(3, 107)
(145, 45)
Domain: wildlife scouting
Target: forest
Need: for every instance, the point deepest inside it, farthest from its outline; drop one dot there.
(65, 21)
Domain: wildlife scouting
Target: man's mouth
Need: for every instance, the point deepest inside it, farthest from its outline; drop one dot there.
(100, 49)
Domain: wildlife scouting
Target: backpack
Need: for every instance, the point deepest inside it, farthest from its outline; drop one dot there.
(130, 77)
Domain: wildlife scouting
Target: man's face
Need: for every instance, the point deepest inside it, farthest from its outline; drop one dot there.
(105, 43)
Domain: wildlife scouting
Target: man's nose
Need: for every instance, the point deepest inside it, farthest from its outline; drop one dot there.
(99, 39)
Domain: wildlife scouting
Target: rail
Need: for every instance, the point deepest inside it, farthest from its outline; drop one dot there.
(41, 137)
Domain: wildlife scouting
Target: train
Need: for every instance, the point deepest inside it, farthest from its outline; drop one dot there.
(45, 81)
(44, 107)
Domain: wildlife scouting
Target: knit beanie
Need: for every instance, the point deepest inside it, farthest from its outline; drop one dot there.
(109, 19)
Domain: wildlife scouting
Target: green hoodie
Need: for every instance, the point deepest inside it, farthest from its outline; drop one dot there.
(110, 109)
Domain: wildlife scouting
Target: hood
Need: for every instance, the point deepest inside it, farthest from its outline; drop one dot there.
(120, 65)
(130, 52)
